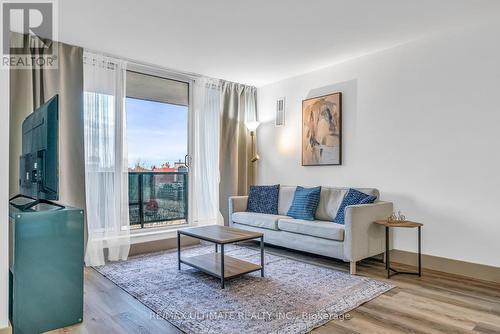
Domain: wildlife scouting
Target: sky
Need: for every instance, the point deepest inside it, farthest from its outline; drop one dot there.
(156, 132)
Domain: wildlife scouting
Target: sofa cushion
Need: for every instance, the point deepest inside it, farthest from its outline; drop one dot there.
(329, 203)
(285, 199)
(263, 199)
(305, 202)
(353, 197)
(331, 198)
(261, 220)
(315, 228)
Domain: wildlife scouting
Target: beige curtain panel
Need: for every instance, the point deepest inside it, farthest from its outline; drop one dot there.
(238, 106)
(30, 88)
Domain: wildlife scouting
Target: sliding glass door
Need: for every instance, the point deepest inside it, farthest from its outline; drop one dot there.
(158, 117)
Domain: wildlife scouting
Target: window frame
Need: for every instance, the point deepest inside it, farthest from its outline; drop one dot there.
(189, 80)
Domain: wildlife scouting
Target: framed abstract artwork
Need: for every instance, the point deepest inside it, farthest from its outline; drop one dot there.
(322, 130)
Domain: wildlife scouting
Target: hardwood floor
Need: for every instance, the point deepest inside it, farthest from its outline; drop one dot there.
(435, 303)
(109, 309)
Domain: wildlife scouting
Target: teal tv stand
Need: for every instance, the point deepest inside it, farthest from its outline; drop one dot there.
(46, 265)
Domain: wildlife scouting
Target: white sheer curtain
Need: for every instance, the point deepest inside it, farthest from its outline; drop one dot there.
(206, 139)
(106, 173)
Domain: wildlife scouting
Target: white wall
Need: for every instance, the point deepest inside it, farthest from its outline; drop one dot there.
(421, 122)
(4, 188)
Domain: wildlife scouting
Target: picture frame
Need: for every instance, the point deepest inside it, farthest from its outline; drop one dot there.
(322, 130)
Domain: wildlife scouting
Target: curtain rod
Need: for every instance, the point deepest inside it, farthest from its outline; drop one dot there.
(154, 67)
(147, 65)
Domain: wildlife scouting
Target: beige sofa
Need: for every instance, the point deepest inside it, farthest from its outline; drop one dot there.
(357, 239)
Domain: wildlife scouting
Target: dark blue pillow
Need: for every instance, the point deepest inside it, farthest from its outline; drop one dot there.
(368, 200)
(263, 199)
(353, 197)
(305, 202)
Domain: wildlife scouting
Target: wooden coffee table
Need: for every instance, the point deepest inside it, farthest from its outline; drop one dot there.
(217, 264)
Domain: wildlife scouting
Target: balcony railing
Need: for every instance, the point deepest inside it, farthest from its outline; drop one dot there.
(157, 198)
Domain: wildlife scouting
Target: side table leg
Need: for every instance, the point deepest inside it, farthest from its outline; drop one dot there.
(178, 250)
(262, 256)
(222, 266)
(216, 248)
(419, 251)
(387, 259)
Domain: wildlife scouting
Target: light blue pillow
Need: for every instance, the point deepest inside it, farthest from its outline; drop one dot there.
(353, 197)
(305, 202)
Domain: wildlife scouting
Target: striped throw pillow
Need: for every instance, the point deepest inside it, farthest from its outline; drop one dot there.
(305, 202)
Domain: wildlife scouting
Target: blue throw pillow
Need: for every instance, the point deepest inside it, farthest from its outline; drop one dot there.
(263, 199)
(305, 202)
(353, 197)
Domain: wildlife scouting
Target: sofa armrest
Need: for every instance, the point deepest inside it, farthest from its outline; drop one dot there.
(362, 237)
(236, 204)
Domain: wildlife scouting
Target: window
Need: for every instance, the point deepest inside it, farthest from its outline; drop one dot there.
(157, 134)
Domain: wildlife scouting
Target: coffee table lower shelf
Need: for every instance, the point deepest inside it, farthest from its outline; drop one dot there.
(211, 264)
(218, 264)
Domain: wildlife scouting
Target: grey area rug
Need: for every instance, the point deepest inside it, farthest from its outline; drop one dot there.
(294, 297)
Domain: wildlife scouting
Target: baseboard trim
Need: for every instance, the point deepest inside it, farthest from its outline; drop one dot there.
(462, 268)
(6, 330)
(160, 245)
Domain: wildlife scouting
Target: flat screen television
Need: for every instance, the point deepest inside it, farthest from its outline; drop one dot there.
(38, 167)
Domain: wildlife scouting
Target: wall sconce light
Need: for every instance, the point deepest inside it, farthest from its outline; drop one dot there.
(252, 127)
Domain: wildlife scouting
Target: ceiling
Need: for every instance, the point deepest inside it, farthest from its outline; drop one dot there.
(259, 41)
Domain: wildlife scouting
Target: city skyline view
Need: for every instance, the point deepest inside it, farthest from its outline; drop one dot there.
(156, 133)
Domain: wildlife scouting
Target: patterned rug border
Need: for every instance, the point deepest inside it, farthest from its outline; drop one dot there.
(332, 314)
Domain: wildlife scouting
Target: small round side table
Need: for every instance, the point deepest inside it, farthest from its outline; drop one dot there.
(404, 224)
